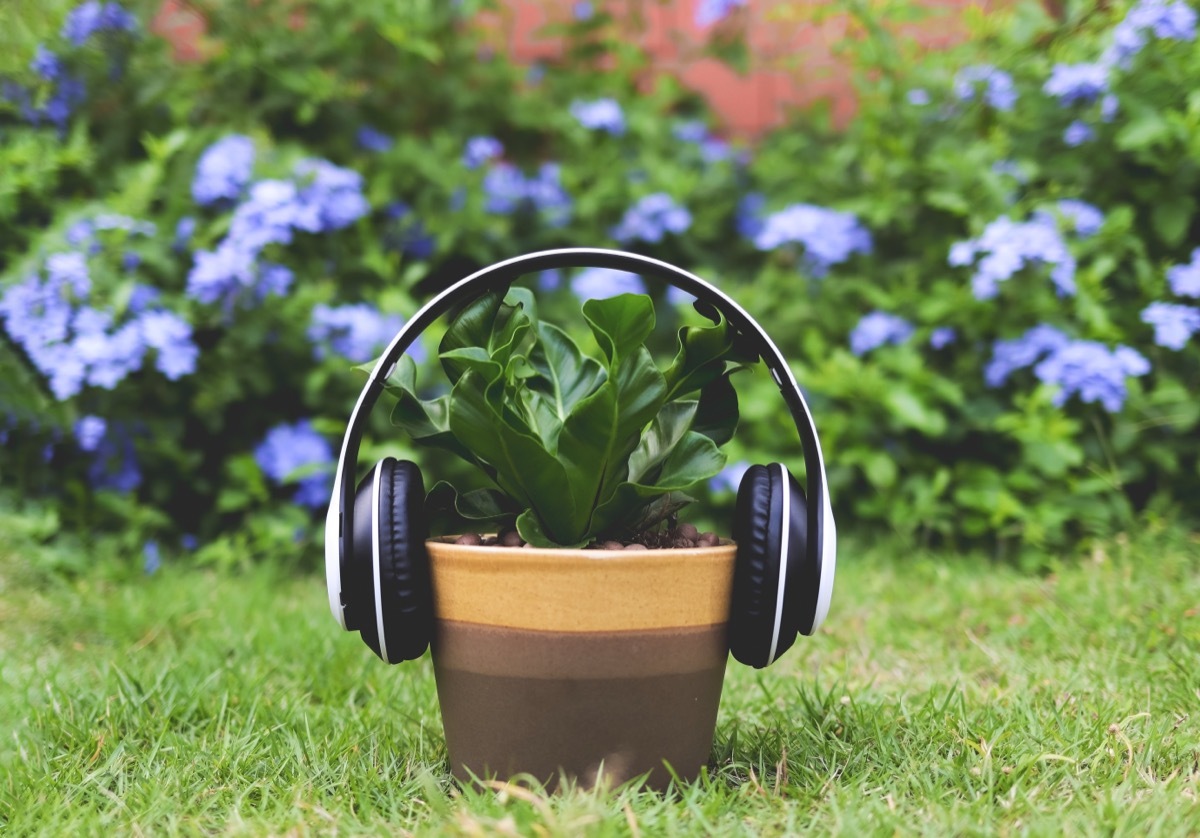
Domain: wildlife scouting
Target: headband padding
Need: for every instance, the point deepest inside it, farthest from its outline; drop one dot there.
(405, 590)
(756, 529)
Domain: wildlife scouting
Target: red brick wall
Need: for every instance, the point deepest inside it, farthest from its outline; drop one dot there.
(792, 46)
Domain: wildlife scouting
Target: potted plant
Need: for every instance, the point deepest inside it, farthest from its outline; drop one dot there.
(588, 635)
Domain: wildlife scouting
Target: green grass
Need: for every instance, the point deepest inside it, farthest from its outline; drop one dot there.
(948, 696)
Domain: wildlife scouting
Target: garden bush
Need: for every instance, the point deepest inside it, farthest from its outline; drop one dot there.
(986, 282)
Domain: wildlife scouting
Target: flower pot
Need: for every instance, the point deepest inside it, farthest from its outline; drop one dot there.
(580, 663)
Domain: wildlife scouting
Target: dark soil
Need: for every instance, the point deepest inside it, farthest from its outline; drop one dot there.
(678, 536)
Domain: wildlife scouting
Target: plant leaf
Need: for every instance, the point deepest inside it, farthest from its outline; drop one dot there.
(529, 473)
(621, 324)
(451, 512)
(717, 415)
(564, 377)
(427, 422)
(530, 529)
(694, 459)
(701, 357)
(664, 433)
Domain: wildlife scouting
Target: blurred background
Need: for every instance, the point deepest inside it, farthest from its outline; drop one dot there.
(971, 227)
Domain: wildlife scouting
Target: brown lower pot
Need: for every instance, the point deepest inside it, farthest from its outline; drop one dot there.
(580, 663)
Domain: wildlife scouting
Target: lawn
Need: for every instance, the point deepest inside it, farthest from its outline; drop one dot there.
(948, 695)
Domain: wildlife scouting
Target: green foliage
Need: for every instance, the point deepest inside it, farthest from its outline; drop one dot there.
(916, 440)
(580, 447)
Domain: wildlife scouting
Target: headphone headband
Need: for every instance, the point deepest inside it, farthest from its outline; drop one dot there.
(338, 529)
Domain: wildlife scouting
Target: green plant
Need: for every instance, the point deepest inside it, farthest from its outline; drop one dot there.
(579, 446)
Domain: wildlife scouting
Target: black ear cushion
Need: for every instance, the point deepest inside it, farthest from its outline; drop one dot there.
(756, 572)
(405, 593)
(405, 588)
(758, 530)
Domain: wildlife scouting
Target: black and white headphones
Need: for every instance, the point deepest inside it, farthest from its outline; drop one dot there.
(376, 567)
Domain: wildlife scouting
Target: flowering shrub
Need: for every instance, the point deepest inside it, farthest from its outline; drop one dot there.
(987, 283)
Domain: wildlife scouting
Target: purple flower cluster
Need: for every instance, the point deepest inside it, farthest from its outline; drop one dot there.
(709, 12)
(1077, 367)
(73, 344)
(114, 461)
(407, 233)
(651, 218)
(507, 189)
(92, 17)
(1071, 83)
(480, 150)
(1007, 246)
(322, 198)
(601, 283)
(355, 332)
(998, 88)
(876, 329)
(371, 139)
(1085, 219)
(942, 337)
(66, 92)
(291, 453)
(600, 115)
(1166, 20)
(695, 132)
(1174, 324)
(1185, 279)
(1078, 133)
(829, 237)
(223, 170)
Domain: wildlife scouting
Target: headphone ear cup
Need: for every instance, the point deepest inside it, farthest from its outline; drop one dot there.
(393, 593)
(770, 528)
(756, 571)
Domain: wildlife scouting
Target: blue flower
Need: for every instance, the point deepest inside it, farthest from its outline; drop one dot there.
(829, 237)
(1092, 371)
(709, 12)
(690, 131)
(46, 64)
(1174, 324)
(600, 283)
(599, 115)
(114, 462)
(372, 140)
(942, 336)
(68, 92)
(876, 329)
(1071, 83)
(223, 170)
(1008, 356)
(171, 336)
(333, 192)
(142, 297)
(1086, 219)
(651, 218)
(151, 557)
(999, 91)
(918, 96)
(70, 269)
(582, 10)
(1185, 279)
(356, 332)
(89, 432)
(730, 477)
(480, 150)
(290, 453)
(679, 297)
(1008, 246)
(409, 234)
(91, 17)
(184, 230)
(273, 280)
(1078, 133)
(749, 215)
(188, 541)
(1175, 21)
(1108, 107)
(221, 274)
(506, 190)
(1010, 168)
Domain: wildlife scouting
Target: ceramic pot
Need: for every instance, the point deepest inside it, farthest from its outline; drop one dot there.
(579, 663)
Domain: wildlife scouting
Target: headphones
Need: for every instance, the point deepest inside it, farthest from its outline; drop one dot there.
(376, 566)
